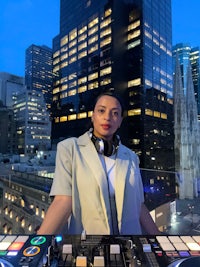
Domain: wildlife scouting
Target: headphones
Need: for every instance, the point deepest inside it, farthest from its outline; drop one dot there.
(107, 148)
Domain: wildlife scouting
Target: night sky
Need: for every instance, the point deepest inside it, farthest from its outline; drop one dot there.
(26, 22)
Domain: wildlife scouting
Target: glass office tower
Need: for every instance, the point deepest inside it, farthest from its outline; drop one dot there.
(123, 46)
(38, 71)
(189, 55)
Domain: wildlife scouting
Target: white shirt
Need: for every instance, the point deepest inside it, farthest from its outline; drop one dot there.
(109, 167)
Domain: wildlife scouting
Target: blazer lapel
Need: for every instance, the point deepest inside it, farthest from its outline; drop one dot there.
(91, 157)
(122, 169)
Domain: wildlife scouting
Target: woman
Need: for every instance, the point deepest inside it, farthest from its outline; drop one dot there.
(97, 185)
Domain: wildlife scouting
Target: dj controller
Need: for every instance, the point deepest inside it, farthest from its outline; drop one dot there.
(99, 251)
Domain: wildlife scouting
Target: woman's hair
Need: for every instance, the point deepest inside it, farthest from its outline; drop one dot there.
(112, 94)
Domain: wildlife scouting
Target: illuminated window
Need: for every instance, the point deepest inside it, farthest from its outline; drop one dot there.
(22, 203)
(148, 82)
(73, 43)
(72, 76)
(163, 116)
(93, 48)
(108, 12)
(6, 210)
(82, 80)
(30, 228)
(56, 61)
(72, 51)
(156, 114)
(133, 35)
(64, 49)
(56, 54)
(72, 84)
(56, 90)
(105, 23)
(63, 95)
(37, 210)
(82, 115)
(93, 39)
(72, 34)
(43, 214)
(134, 112)
(56, 69)
(73, 59)
(89, 114)
(105, 42)
(135, 82)
(64, 64)
(63, 118)
(147, 34)
(106, 81)
(93, 22)
(56, 120)
(5, 228)
(82, 37)
(64, 40)
(93, 85)
(72, 92)
(17, 218)
(82, 89)
(82, 54)
(82, 30)
(105, 71)
(11, 214)
(83, 45)
(105, 32)
(93, 30)
(22, 222)
(134, 44)
(72, 117)
(63, 57)
(93, 76)
(149, 112)
(64, 87)
(135, 141)
(134, 25)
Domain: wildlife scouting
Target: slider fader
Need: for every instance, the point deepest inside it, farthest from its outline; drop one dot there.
(99, 251)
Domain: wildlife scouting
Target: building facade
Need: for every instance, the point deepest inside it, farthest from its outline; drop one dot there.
(9, 84)
(189, 56)
(32, 122)
(123, 46)
(38, 71)
(8, 136)
(24, 200)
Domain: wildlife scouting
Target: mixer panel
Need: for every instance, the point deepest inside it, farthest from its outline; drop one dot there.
(99, 251)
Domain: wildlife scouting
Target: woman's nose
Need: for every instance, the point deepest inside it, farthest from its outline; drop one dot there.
(107, 115)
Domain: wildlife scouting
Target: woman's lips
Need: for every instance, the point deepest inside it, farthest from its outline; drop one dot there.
(105, 126)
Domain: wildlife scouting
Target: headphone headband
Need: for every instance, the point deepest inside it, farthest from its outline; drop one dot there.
(107, 148)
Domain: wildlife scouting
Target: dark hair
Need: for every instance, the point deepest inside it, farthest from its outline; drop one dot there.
(110, 93)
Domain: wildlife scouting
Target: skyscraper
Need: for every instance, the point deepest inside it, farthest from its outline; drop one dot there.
(38, 71)
(189, 56)
(32, 122)
(123, 46)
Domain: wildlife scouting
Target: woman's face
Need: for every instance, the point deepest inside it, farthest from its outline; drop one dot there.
(106, 117)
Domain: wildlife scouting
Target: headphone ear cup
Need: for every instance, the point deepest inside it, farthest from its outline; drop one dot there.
(99, 145)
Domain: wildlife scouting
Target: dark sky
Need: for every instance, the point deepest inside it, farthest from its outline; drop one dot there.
(26, 22)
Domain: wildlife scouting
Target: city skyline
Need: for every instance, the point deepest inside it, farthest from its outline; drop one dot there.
(30, 22)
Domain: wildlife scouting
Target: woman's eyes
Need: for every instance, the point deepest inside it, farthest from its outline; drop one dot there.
(113, 112)
(101, 111)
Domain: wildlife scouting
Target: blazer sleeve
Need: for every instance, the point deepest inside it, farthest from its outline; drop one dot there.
(62, 181)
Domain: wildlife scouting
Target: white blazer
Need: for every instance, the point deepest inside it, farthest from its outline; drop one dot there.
(79, 173)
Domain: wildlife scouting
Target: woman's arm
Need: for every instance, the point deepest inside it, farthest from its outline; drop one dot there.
(147, 222)
(57, 215)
